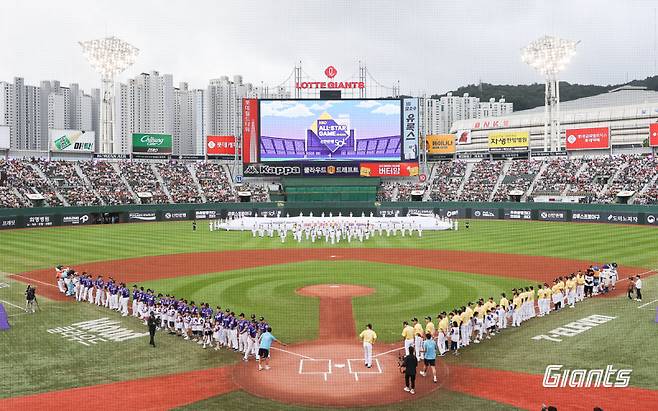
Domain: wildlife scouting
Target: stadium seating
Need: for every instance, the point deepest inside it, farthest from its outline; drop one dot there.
(87, 183)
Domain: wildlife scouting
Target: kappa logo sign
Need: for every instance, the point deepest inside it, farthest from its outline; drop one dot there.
(330, 72)
(268, 170)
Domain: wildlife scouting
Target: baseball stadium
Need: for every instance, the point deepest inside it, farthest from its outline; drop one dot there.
(327, 250)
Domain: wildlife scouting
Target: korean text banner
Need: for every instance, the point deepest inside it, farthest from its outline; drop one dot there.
(249, 130)
(653, 135)
(72, 141)
(440, 144)
(220, 146)
(411, 119)
(152, 143)
(389, 169)
(508, 140)
(588, 138)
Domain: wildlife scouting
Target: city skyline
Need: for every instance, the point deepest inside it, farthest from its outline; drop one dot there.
(430, 47)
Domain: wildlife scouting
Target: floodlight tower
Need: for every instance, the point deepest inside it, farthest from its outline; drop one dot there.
(109, 57)
(549, 56)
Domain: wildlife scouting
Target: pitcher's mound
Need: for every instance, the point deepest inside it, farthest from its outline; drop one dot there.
(334, 290)
(332, 374)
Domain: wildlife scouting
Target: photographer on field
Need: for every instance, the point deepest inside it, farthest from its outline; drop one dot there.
(30, 299)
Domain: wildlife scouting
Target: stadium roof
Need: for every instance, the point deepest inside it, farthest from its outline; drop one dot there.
(621, 96)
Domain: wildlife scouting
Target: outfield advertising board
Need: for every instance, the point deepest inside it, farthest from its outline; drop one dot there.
(174, 215)
(205, 214)
(605, 217)
(152, 143)
(485, 213)
(517, 214)
(508, 140)
(440, 144)
(39, 221)
(388, 169)
(651, 219)
(220, 145)
(552, 215)
(593, 138)
(4, 137)
(653, 135)
(8, 222)
(410, 115)
(452, 212)
(142, 216)
(72, 141)
(76, 219)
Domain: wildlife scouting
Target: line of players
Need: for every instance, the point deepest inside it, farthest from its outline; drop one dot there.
(484, 319)
(200, 323)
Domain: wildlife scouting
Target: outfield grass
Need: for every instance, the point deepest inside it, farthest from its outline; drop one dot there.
(31, 360)
(27, 249)
(401, 293)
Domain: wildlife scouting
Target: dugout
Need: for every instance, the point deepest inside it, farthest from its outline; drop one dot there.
(330, 189)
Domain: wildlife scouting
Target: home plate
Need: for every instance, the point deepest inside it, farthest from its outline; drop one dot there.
(339, 365)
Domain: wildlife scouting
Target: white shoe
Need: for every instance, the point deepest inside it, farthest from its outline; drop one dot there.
(434, 380)
(422, 373)
(260, 368)
(407, 389)
(412, 392)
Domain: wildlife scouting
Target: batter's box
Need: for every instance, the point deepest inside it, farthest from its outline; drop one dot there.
(317, 367)
(356, 366)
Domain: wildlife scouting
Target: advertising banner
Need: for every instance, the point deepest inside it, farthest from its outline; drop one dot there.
(653, 135)
(152, 143)
(316, 169)
(552, 215)
(72, 141)
(174, 215)
(410, 107)
(249, 130)
(588, 138)
(8, 222)
(389, 169)
(440, 144)
(517, 215)
(220, 146)
(142, 216)
(463, 137)
(39, 221)
(205, 214)
(452, 212)
(508, 140)
(605, 217)
(76, 219)
(485, 213)
(4, 137)
(652, 219)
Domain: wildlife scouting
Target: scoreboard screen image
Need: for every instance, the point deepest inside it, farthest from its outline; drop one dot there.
(330, 130)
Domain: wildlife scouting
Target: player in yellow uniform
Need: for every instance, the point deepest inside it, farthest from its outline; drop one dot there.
(419, 333)
(571, 291)
(517, 301)
(429, 326)
(580, 286)
(442, 333)
(407, 337)
(557, 295)
(368, 336)
(547, 298)
(463, 328)
(504, 304)
(541, 299)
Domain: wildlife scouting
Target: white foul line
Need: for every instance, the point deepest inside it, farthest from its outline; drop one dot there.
(388, 352)
(292, 353)
(36, 281)
(13, 305)
(644, 305)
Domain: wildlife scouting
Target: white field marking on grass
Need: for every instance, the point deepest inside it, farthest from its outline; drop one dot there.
(4, 285)
(13, 305)
(293, 353)
(15, 315)
(649, 303)
(36, 281)
(388, 352)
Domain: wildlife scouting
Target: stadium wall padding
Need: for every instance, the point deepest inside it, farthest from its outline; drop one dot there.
(566, 212)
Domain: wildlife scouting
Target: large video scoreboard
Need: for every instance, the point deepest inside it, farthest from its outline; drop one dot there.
(366, 137)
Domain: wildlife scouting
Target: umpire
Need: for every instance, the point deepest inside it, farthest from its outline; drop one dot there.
(151, 324)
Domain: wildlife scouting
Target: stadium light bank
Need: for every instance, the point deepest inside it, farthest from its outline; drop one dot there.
(549, 56)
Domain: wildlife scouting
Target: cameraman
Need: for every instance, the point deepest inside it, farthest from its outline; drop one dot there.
(30, 298)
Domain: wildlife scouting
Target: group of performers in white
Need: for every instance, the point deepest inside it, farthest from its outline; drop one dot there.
(332, 229)
(485, 318)
(211, 328)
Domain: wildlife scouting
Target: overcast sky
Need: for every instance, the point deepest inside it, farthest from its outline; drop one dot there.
(429, 46)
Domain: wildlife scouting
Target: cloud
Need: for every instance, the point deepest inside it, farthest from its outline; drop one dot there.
(322, 107)
(387, 109)
(368, 104)
(286, 110)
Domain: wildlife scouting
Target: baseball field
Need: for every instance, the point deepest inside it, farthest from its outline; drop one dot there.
(317, 299)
